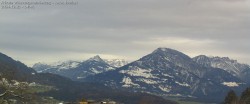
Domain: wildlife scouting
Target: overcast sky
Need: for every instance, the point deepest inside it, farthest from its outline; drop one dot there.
(127, 29)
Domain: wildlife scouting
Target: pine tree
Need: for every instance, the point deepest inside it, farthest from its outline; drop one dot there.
(245, 97)
(231, 98)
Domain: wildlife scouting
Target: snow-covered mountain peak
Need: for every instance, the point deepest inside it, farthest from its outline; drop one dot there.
(39, 64)
(167, 71)
(202, 59)
(96, 58)
(161, 49)
(167, 56)
(116, 62)
(75, 69)
(225, 63)
(171, 53)
(68, 65)
(227, 59)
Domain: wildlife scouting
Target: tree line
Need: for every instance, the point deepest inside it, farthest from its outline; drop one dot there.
(232, 98)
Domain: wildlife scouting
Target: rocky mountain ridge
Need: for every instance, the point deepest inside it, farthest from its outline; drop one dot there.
(77, 70)
(169, 72)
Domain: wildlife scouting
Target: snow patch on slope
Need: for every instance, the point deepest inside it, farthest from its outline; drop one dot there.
(148, 81)
(165, 89)
(182, 84)
(230, 84)
(128, 82)
(136, 71)
(167, 75)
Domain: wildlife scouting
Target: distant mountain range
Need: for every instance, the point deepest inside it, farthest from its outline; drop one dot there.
(169, 72)
(65, 89)
(241, 71)
(164, 72)
(77, 70)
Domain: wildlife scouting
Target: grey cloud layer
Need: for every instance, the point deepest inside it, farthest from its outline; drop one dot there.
(125, 28)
